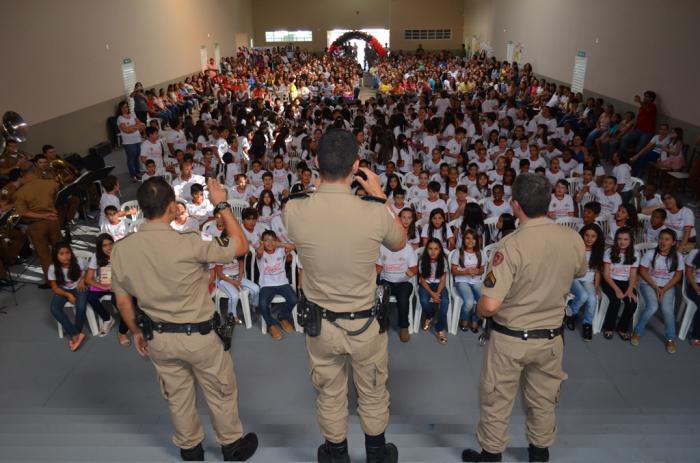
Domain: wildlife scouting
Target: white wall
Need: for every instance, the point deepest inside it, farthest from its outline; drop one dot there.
(632, 45)
(61, 56)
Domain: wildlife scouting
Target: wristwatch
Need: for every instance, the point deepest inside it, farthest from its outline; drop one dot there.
(221, 206)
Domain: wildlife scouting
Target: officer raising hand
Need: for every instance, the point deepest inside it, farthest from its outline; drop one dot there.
(164, 270)
(524, 293)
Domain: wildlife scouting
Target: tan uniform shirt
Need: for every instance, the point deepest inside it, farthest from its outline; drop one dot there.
(337, 236)
(167, 272)
(531, 271)
(36, 195)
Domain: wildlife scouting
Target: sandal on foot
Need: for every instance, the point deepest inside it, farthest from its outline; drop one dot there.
(124, 340)
(464, 326)
(608, 334)
(440, 335)
(624, 336)
(475, 327)
(427, 323)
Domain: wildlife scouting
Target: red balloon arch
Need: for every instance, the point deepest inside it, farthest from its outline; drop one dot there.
(372, 40)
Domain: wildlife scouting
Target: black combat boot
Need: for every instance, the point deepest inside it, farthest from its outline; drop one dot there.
(196, 453)
(378, 451)
(242, 449)
(538, 453)
(328, 452)
(472, 455)
(587, 332)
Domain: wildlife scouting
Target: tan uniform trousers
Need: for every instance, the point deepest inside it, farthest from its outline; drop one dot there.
(536, 365)
(43, 234)
(329, 354)
(180, 361)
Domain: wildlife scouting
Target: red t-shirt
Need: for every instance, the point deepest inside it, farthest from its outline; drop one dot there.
(646, 119)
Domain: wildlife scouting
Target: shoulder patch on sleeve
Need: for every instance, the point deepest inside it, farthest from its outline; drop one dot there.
(206, 236)
(223, 242)
(490, 280)
(497, 258)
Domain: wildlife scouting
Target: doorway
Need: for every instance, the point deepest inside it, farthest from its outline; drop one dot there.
(381, 34)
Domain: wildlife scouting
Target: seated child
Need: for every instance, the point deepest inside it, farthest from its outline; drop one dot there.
(271, 257)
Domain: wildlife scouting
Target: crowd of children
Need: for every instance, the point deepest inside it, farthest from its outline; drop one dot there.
(448, 137)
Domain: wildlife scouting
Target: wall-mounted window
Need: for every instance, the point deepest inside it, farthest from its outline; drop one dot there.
(288, 36)
(427, 34)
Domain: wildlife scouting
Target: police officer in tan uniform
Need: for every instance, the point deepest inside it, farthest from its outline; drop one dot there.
(524, 293)
(34, 202)
(166, 271)
(337, 236)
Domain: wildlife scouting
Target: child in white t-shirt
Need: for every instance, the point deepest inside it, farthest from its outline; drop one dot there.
(608, 197)
(200, 209)
(111, 198)
(396, 269)
(229, 277)
(467, 266)
(183, 222)
(494, 207)
(661, 269)
(115, 226)
(272, 256)
(561, 204)
(620, 265)
(433, 201)
(66, 275)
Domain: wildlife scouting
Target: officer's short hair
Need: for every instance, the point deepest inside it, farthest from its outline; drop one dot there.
(337, 152)
(533, 193)
(154, 197)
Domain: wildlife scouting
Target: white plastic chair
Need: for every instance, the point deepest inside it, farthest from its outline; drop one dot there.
(573, 223)
(587, 198)
(603, 221)
(637, 184)
(688, 313)
(134, 225)
(89, 313)
(599, 317)
(574, 184)
(279, 299)
(642, 220)
(237, 206)
(491, 224)
(132, 204)
(244, 296)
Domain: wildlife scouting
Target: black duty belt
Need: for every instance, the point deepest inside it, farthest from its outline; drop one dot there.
(187, 328)
(528, 334)
(333, 316)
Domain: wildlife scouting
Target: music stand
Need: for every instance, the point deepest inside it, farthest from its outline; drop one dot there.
(89, 178)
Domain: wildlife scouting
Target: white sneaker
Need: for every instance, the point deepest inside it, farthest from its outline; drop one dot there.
(106, 327)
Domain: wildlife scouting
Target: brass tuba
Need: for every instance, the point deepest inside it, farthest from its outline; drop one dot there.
(64, 171)
(13, 128)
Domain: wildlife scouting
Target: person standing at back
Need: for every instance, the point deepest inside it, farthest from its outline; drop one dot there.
(524, 293)
(167, 272)
(338, 236)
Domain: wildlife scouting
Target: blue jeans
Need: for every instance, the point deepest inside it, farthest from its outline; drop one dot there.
(644, 160)
(584, 294)
(470, 294)
(233, 293)
(268, 293)
(132, 158)
(57, 303)
(429, 307)
(590, 139)
(635, 140)
(651, 305)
